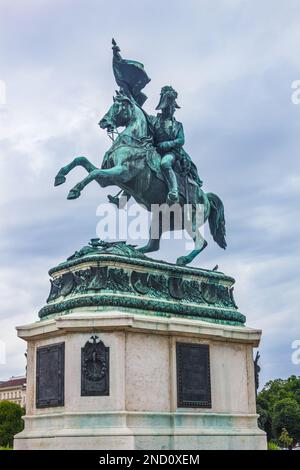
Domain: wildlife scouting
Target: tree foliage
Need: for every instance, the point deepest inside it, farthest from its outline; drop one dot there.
(285, 439)
(11, 422)
(273, 446)
(278, 405)
(287, 415)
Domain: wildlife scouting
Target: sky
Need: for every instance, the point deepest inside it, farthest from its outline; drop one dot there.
(233, 63)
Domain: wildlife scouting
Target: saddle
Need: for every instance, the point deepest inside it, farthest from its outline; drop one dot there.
(185, 183)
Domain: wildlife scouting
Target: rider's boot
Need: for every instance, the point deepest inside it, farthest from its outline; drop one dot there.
(173, 194)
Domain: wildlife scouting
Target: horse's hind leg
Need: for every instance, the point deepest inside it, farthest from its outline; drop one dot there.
(183, 260)
(159, 225)
(78, 161)
(154, 240)
(200, 243)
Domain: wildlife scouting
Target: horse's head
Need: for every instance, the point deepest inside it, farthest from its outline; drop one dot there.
(119, 114)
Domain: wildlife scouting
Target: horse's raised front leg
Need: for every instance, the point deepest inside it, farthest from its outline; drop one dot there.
(78, 161)
(117, 174)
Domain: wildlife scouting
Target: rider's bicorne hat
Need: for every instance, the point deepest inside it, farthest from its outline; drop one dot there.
(167, 94)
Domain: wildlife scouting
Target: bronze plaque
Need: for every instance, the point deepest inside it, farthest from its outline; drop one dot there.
(50, 375)
(94, 368)
(193, 375)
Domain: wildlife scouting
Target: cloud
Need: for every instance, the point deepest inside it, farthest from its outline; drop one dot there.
(232, 63)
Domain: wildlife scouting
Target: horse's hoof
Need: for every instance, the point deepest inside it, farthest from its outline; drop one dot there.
(143, 249)
(59, 179)
(73, 194)
(154, 246)
(182, 261)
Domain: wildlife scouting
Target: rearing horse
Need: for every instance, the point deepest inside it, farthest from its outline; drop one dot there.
(133, 165)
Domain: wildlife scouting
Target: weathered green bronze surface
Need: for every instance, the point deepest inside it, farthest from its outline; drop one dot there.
(147, 159)
(103, 275)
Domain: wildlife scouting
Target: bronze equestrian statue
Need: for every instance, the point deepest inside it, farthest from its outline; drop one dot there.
(147, 160)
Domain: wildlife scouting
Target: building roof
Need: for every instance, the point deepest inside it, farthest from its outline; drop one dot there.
(13, 382)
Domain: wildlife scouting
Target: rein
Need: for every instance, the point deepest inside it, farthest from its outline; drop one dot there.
(127, 140)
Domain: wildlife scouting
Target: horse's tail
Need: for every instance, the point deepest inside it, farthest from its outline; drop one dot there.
(216, 220)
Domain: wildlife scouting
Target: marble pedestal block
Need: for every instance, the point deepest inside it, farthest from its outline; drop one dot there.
(141, 411)
(127, 393)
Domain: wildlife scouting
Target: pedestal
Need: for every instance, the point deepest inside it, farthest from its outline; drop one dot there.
(131, 353)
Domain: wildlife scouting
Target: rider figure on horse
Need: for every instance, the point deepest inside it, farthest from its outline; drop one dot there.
(167, 133)
(168, 138)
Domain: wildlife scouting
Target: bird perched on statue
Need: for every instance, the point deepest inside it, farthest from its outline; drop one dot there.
(216, 268)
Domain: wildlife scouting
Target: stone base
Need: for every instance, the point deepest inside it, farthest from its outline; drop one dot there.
(141, 410)
(144, 431)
